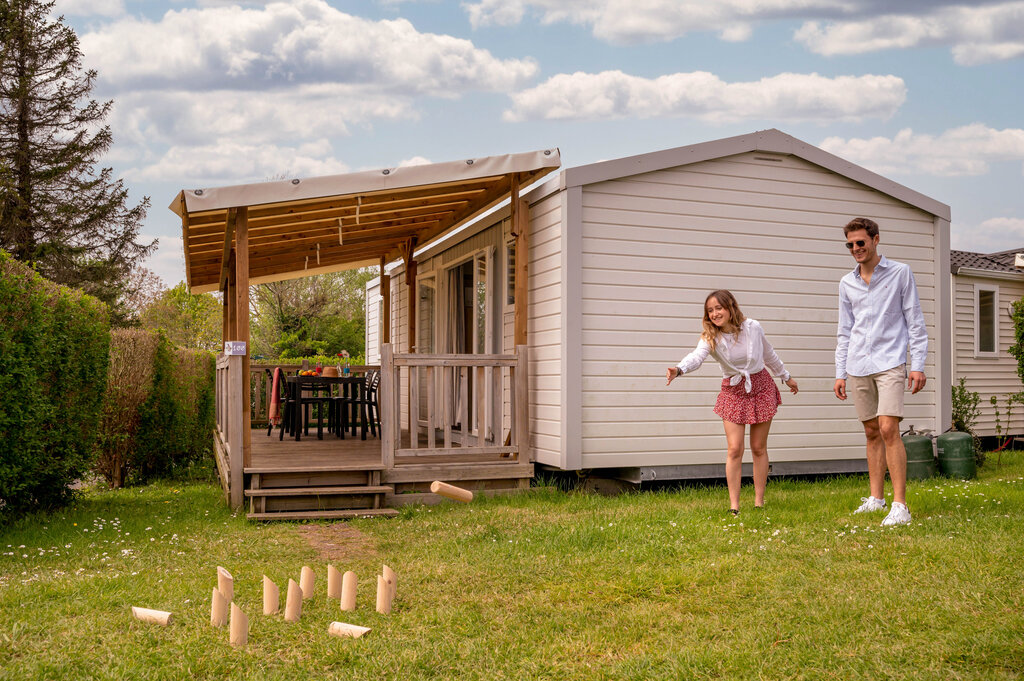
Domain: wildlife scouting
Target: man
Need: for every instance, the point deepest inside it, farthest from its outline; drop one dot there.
(879, 318)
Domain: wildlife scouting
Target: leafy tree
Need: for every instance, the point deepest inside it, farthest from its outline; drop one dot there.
(1017, 349)
(71, 222)
(318, 315)
(187, 320)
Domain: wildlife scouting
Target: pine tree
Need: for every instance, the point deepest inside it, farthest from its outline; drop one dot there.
(72, 223)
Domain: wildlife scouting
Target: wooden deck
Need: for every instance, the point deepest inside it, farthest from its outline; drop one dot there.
(335, 478)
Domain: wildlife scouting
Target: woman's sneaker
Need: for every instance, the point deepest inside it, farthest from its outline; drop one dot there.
(871, 504)
(899, 515)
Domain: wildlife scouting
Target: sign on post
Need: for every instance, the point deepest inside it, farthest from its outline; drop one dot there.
(234, 347)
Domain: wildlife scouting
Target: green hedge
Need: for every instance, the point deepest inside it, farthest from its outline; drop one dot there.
(54, 351)
(159, 413)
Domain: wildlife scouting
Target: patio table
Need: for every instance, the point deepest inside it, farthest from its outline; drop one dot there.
(350, 388)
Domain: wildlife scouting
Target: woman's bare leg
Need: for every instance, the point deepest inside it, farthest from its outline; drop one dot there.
(759, 451)
(734, 460)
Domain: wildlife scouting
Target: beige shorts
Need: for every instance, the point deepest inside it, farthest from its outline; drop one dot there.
(879, 394)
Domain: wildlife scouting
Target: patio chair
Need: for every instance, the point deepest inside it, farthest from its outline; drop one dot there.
(366, 402)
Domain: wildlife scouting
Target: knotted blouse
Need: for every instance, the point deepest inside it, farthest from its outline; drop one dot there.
(740, 354)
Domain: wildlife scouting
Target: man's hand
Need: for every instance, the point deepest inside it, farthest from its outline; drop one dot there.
(840, 388)
(916, 381)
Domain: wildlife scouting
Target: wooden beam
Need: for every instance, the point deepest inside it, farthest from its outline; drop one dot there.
(232, 300)
(229, 233)
(241, 273)
(184, 238)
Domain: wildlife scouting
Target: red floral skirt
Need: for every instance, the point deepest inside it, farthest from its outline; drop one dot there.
(736, 405)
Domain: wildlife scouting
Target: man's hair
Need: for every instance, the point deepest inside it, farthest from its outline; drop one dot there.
(861, 223)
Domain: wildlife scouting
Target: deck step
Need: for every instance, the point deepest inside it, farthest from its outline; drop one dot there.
(324, 515)
(318, 491)
(306, 468)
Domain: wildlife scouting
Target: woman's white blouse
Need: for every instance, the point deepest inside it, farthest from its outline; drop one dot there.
(741, 355)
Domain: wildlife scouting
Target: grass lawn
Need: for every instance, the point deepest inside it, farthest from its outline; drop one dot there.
(545, 585)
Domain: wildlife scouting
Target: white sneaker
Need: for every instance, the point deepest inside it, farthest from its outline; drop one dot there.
(871, 504)
(899, 515)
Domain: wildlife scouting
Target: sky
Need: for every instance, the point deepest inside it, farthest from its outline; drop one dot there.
(207, 93)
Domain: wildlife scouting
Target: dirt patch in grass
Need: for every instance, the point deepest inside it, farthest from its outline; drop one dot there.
(338, 541)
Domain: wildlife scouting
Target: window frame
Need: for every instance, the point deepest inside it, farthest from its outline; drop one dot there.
(978, 290)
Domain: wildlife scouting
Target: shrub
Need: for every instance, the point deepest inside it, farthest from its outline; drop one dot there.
(158, 417)
(54, 353)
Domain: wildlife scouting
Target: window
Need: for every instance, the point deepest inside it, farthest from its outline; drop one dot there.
(510, 273)
(986, 321)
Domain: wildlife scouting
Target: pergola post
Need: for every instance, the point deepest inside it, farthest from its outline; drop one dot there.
(242, 322)
(520, 218)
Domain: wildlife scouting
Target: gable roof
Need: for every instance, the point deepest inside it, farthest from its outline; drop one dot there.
(769, 141)
(300, 227)
(991, 262)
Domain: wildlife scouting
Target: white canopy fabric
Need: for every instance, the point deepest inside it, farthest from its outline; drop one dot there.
(300, 227)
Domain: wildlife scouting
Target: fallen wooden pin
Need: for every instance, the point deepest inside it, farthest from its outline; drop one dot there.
(307, 580)
(225, 584)
(383, 596)
(271, 596)
(160, 617)
(293, 602)
(451, 491)
(218, 609)
(239, 627)
(348, 591)
(333, 582)
(344, 629)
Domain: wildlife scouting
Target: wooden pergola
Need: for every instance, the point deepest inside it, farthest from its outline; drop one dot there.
(242, 235)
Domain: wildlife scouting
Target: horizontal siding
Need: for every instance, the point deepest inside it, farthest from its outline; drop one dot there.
(655, 244)
(544, 334)
(987, 376)
(372, 305)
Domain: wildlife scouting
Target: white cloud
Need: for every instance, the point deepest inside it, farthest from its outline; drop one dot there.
(785, 97)
(284, 45)
(494, 12)
(230, 162)
(168, 260)
(414, 161)
(977, 34)
(965, 151)
(85, 8)
(991, 236)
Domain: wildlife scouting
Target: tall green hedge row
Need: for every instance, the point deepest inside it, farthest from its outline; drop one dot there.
(54, 352)
(159, 411)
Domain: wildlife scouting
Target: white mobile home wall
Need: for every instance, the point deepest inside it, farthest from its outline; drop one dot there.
(987, 375)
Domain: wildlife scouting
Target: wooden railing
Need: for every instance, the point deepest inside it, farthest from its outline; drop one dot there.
(445, 404)
(230, 440)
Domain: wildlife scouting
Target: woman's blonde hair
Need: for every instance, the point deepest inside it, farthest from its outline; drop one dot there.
(711, 333)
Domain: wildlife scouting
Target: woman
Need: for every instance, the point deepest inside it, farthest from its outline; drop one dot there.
(748, 396)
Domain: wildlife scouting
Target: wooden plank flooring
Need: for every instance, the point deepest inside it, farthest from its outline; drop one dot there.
(311, 454)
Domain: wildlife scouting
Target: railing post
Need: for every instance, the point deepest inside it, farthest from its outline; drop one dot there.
(237, 401)
(521, 405)
(386, 401)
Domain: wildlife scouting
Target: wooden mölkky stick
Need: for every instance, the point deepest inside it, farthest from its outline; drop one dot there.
(389, 577)
(293, 602)
(218, 609)
(306, 581)
(383, 596)
(333, 582)
(225, 584)
(348, 590)
(161, 617)
(239, 627)
(271, 596)
(346, 629)
(451, 491)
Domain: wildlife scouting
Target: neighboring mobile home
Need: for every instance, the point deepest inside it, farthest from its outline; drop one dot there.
(984, 288)
(622, 255)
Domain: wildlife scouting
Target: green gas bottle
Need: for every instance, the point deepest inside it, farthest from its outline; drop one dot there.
(956, 455)
(920, 456)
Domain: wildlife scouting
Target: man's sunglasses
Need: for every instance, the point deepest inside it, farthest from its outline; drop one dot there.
(859, 243)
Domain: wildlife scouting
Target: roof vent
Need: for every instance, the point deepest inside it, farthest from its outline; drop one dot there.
(1018, 260)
